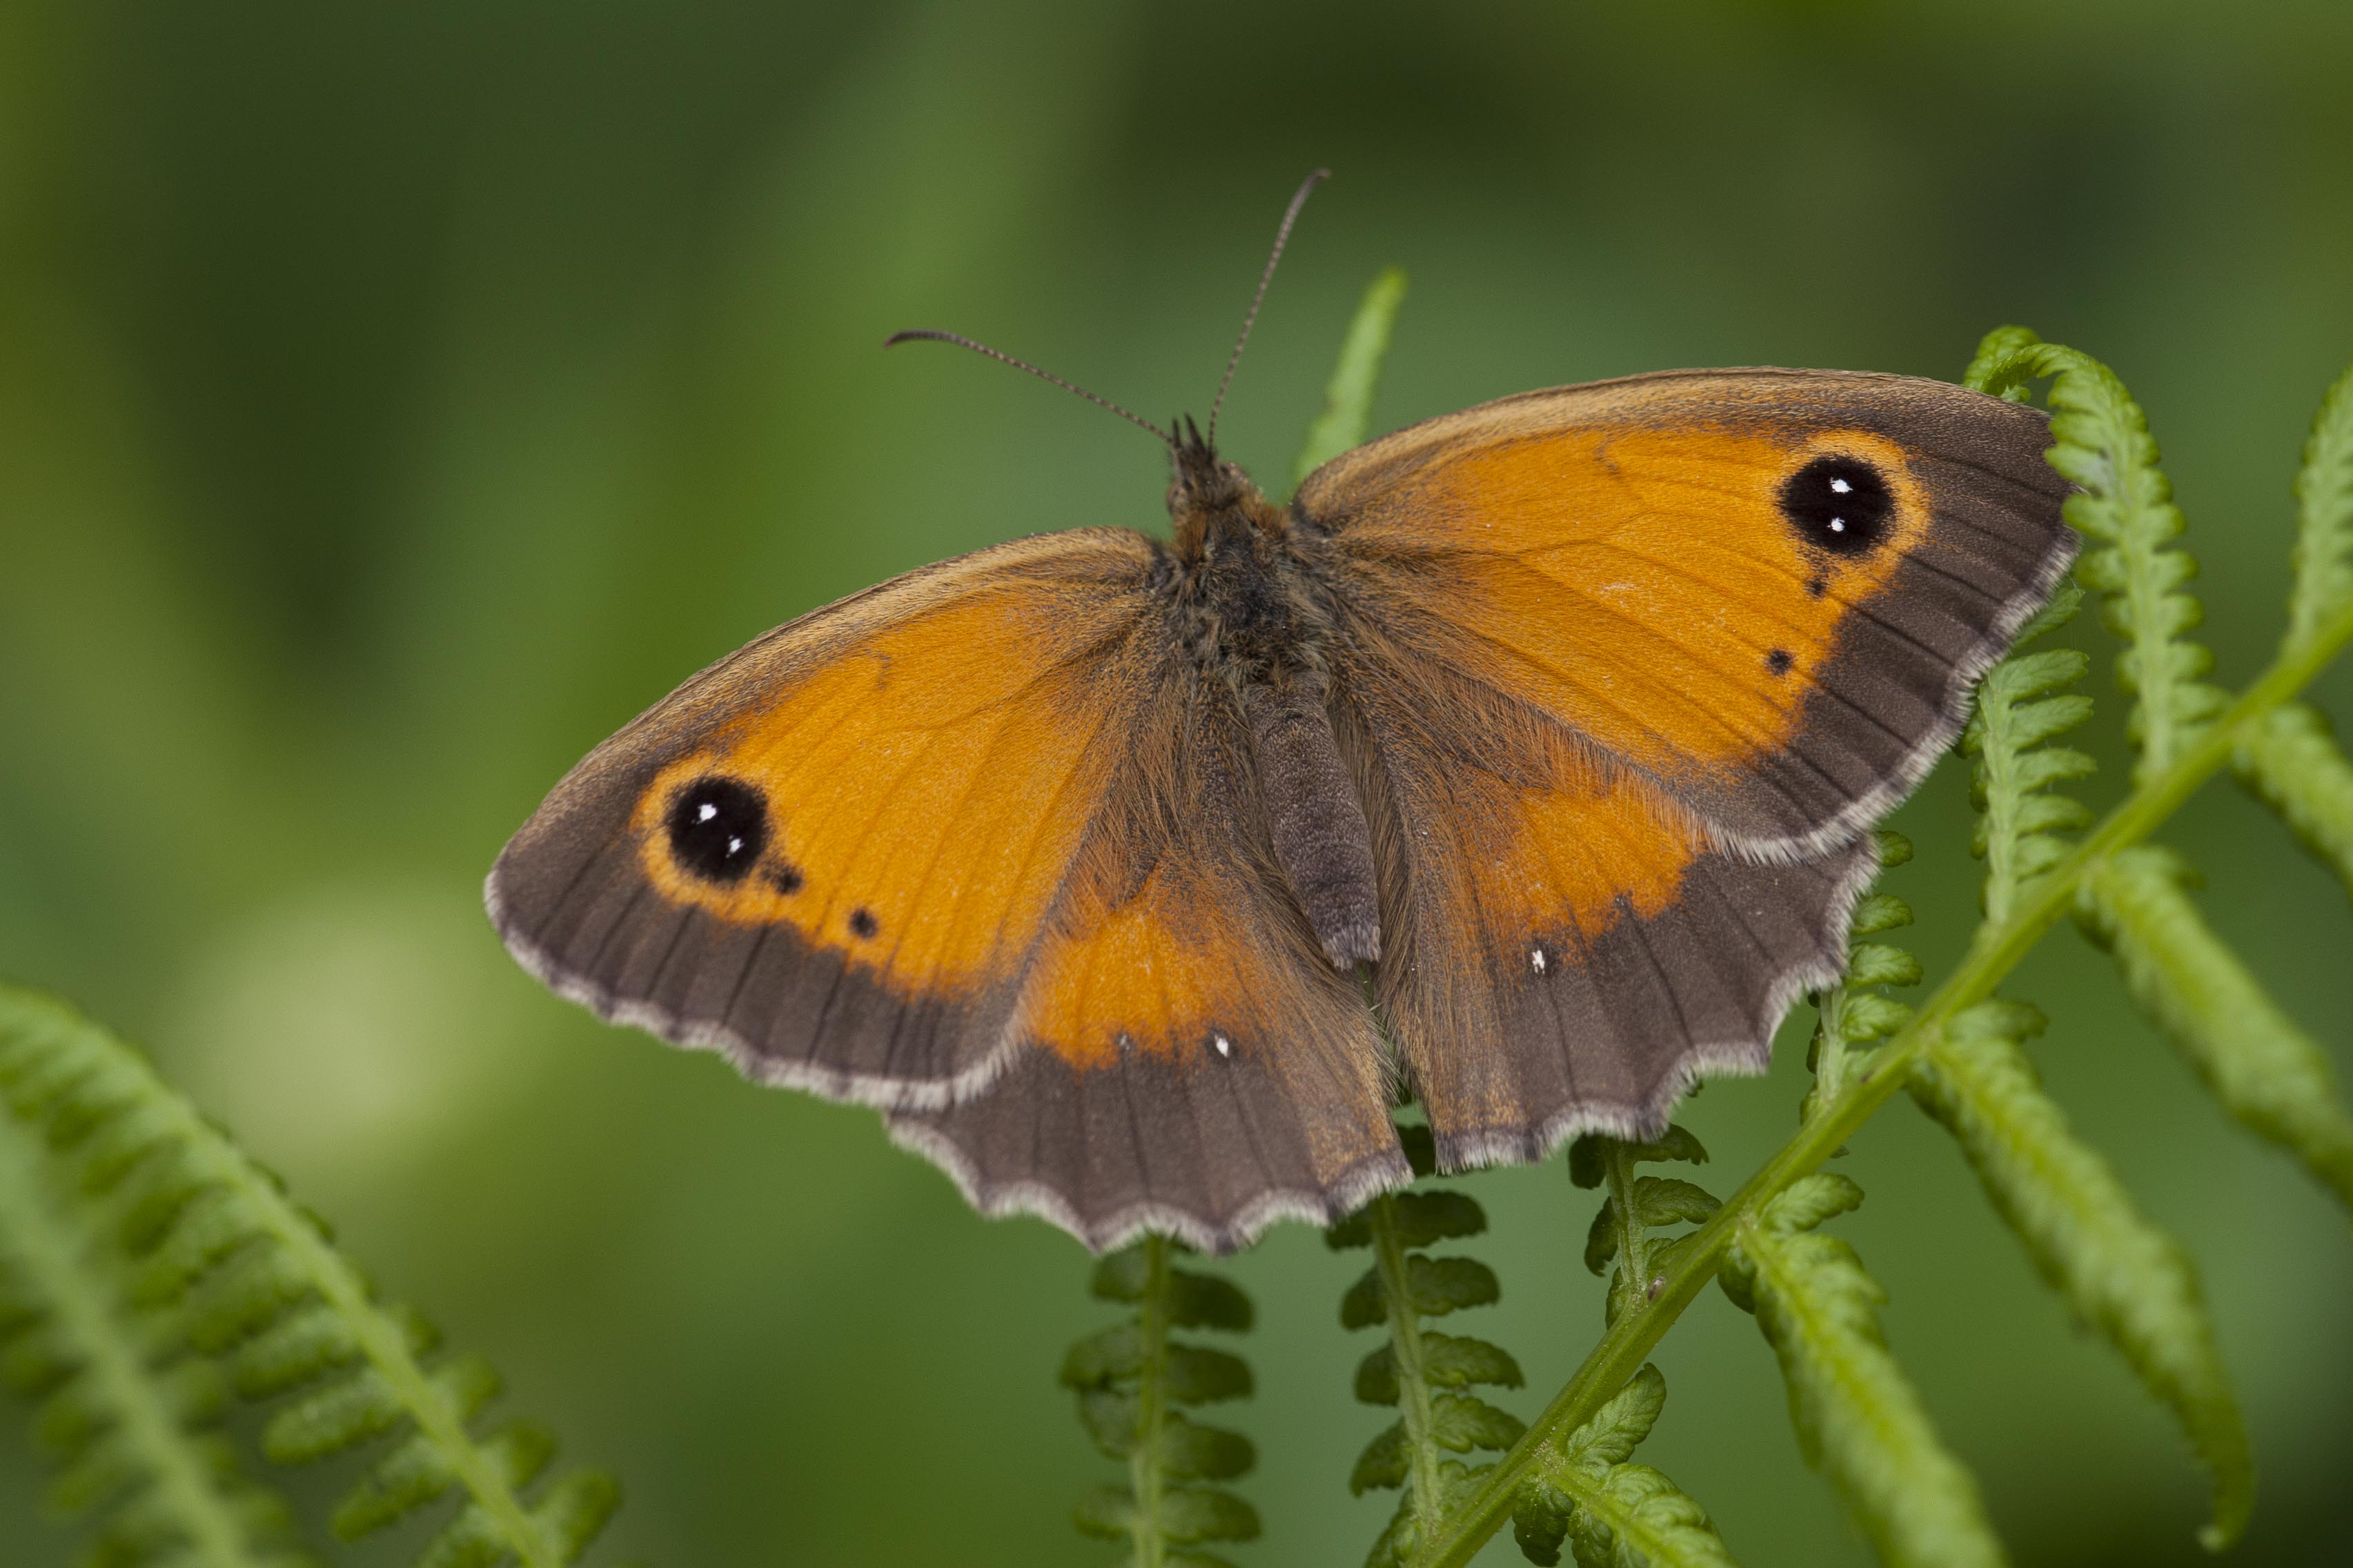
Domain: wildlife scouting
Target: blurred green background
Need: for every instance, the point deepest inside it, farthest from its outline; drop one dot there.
(395, 398)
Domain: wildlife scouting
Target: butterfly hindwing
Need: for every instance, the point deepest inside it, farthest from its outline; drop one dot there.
(1217, 1071)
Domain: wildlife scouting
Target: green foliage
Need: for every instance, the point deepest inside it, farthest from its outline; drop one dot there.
(1620, 1242)
(2015, 717)
(1857, 1417)
(1131, 1377)
(1426, 1375)
(131, 1416)
(2294, 766)
(2122, 1276)
(2125, 507)
(1348, 398)
(2323, 493)
(208, 1253)
(2267, 1072)
(1611, 1512)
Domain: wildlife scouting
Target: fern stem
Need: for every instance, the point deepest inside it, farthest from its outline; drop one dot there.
(1412, 1369)
(1633, 1263)
(109, 1353)
(1152, 1407)
(1999, 947)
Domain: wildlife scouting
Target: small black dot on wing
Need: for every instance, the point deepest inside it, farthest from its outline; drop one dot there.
(863, 921)
(717, 829)
(1837, 503)
(785, 878)
(1779, 661)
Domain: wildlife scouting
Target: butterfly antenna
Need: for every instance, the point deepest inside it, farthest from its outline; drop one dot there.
(927, 335)
(1281, 238)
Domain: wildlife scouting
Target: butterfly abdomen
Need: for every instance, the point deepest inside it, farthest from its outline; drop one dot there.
(1317, 821)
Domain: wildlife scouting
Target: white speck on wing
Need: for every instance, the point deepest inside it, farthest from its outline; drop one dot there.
(1225, 1047)
(1536, 959)
(705, 811)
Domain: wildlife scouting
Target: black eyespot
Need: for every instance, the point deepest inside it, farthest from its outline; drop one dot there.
(717, 829)
(1840, 505)
(1779, 661)
(863, 921)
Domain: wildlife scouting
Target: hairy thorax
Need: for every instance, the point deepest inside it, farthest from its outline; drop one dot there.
(1254, 621)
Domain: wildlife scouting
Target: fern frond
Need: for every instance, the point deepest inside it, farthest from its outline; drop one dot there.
(2121, 1274)
(1348, 398)
(2324, 536)
(1426, 1375)
(2267, 1072)
(1855, 1014)
(131, 1413)
(1613, 1513)
(1620, 1232)
(1857, 1417)
(261, 1281)
(2020, 709)
(2100, 439)
(2295, 766)
(1131, 1378)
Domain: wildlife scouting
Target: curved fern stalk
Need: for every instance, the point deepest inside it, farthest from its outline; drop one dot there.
(1424, 1375)
(2267, 1072)
(1613, 1513)
(1619, 1243)
(1130, 1378)
(261, 1281)
(1348, 399)
(2291, 761)
(1999, 949)
(2100, 439)
(131, 1413)
(2120, 1274)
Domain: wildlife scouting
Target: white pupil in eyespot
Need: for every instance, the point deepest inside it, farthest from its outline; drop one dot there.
(1838, 525)
(1840, 487)
(734, 846)
(705, 811)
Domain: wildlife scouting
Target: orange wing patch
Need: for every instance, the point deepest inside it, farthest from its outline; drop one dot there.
(1167, 971)
(925, 792)
(1644, 585)
(1576, 850)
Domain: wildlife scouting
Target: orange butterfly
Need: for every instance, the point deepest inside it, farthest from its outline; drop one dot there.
(1543, 737)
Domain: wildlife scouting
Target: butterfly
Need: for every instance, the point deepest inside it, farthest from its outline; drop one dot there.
(1524, 762)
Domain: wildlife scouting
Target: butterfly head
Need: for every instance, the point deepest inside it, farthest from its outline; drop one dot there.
(1211, 500)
